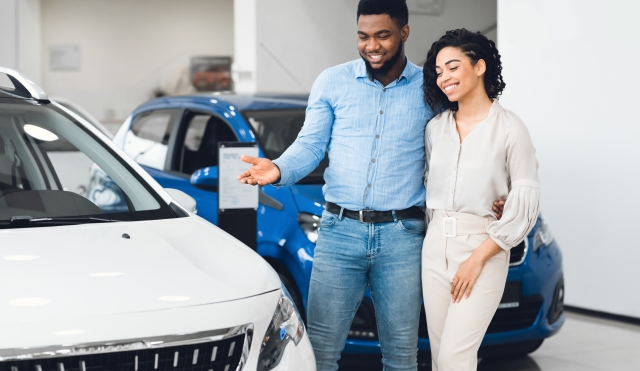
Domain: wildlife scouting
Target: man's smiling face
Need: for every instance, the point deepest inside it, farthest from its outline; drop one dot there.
(380, 42)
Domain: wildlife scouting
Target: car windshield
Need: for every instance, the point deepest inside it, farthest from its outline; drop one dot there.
(53, 167)
(276, 130)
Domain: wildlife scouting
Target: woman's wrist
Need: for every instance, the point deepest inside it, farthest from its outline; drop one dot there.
(486, 250)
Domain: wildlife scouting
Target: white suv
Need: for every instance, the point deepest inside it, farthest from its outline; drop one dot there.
(89, 288)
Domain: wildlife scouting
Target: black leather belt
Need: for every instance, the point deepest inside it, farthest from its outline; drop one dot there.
(372, 216)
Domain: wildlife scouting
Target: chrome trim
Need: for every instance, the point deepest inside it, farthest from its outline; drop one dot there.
(524, 255)
(155, 342)
(27, 83)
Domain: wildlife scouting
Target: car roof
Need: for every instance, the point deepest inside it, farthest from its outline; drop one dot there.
(240, 102)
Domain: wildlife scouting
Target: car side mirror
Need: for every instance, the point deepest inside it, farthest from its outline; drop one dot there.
(206, 179)
(183, 199)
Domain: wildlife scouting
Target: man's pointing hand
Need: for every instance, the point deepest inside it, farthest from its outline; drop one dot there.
(262, 172)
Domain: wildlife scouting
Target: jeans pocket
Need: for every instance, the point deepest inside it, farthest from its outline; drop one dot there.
(416, 226)
(328, 219)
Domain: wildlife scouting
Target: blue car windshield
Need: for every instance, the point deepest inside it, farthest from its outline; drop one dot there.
(276, 130)
(51, 167)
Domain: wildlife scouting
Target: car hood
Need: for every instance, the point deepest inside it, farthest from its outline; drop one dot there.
(309, 198)
(91, 269)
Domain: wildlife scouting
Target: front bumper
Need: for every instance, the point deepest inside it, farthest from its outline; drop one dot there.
(109, 329)
(538, 275)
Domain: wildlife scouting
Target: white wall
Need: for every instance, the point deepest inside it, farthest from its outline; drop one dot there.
(30, 38)
(296, 39)
(571, 72)
(9, 33)
(129, 48)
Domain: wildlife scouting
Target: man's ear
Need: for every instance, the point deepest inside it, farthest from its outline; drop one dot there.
(404, 32)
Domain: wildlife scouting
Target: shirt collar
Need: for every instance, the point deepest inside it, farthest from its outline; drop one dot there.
(409, 71)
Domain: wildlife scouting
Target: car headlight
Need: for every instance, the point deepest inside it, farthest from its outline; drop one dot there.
(543, 236)
(310, 224)
(286, 325)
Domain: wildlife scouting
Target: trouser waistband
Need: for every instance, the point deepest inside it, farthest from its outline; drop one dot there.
(454, 224)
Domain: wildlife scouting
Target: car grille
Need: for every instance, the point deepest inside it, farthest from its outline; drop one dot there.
(226, 354)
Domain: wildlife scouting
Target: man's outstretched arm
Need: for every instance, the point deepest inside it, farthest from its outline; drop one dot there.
(306, 152)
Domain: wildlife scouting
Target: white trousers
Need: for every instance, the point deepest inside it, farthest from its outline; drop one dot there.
(456, 329)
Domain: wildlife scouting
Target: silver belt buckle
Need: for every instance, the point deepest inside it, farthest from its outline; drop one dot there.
(444, 226)
(361, 216)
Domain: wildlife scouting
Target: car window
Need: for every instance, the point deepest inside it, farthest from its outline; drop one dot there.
(148, 137)
(38, 181)
(199, 147)
(155, 125)
(276, 130)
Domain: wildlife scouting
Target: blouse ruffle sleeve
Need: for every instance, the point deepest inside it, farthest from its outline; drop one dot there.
(519, 217)
(522, 204)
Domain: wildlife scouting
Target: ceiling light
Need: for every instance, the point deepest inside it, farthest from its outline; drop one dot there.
(40, 133)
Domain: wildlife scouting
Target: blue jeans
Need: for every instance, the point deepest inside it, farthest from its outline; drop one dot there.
(349, 256)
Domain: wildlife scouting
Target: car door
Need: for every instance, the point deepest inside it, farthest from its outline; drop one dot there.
(196, 147)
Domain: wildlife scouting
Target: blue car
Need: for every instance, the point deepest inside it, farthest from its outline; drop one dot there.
(175, 137)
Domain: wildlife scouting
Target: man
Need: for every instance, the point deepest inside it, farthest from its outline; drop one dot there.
(370, 116)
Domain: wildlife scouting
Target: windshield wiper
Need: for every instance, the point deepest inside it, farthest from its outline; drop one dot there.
(25, 221)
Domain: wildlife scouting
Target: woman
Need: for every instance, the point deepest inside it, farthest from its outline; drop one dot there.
(477, 152)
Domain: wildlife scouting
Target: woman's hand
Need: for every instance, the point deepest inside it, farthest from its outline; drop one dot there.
(469, 271)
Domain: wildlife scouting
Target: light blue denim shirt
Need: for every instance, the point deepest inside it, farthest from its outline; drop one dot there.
(374, 136)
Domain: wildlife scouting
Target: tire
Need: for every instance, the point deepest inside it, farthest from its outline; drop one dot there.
(295, 294)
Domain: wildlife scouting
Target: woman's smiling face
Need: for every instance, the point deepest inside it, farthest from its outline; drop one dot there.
(457, 76)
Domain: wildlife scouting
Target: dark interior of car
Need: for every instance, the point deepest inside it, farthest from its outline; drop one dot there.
(207, 153)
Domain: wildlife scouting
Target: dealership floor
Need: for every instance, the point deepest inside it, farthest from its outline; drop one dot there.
(584, 343)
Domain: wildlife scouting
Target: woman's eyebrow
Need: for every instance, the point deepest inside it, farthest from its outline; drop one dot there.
(453, 60)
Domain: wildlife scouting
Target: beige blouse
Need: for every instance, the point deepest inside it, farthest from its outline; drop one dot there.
(496, 161)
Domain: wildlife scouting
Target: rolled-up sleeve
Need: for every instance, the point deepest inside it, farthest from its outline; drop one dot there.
(522, 204)
(309, 148)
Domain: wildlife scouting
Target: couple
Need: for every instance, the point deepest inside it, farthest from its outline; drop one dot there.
(370, 115)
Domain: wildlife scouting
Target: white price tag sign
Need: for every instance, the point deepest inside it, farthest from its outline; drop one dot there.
(232, 193)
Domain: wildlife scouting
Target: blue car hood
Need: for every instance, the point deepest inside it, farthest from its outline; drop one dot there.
(309, 198)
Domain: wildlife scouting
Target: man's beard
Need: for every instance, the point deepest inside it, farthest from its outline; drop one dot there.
(386, 66)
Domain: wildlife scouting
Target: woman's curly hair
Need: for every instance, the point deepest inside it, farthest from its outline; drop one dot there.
(476, 46)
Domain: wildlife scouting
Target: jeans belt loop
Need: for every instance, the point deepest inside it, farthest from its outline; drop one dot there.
(444, 226)
(395, 217)
(340, 215)
(361, 213)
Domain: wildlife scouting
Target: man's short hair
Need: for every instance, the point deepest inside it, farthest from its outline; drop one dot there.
(396, 9)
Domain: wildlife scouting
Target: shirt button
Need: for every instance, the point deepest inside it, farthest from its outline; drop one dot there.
(377, 136)
(384, 90)
(373, 160)
(381, 112)
(369, 185)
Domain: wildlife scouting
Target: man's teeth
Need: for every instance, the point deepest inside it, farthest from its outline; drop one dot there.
(376, 56)
(448, 88)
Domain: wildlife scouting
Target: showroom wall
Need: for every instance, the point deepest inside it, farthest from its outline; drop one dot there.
(570, 69)
(129, 48)
(294, 40)
(20, 35)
